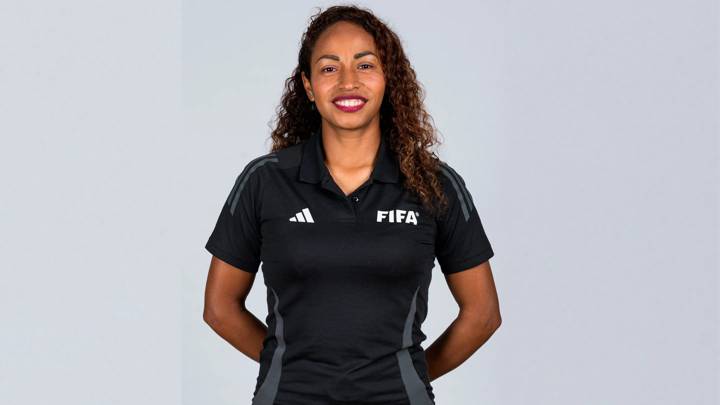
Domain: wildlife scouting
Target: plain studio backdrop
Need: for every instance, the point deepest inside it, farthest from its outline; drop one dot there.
(587, 133)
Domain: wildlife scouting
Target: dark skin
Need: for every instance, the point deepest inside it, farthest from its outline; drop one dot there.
(344, 61)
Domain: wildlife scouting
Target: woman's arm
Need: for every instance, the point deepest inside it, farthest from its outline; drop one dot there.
(478, 318)
(225, 312)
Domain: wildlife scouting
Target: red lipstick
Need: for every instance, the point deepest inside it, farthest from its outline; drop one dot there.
(349, 102)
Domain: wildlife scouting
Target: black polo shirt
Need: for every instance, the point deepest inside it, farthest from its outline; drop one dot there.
(347, 276)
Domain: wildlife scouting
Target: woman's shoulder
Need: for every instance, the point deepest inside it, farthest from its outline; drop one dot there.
(258, 163)
(287, 157)
(448, 175)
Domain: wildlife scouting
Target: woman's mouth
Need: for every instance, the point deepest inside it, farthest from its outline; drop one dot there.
(349, 104)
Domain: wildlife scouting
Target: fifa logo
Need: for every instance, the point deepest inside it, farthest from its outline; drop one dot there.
(398, 216)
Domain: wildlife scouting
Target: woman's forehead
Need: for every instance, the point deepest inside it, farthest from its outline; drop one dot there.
(344, 37)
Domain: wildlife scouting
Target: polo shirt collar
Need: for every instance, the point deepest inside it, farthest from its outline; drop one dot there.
(314, 170)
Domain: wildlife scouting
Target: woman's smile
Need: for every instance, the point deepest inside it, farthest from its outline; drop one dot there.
(351, 104)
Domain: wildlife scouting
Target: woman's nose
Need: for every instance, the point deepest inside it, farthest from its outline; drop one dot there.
(348, 79)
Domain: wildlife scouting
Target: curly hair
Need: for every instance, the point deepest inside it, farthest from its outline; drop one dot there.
(403, 118)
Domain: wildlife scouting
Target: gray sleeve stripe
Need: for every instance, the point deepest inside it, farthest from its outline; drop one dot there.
(468, 196)
(241, 175)
(457, 187)
(242, 180)
(466, 192)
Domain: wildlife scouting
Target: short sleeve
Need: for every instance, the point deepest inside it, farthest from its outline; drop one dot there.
(236, 237)
(461, 242)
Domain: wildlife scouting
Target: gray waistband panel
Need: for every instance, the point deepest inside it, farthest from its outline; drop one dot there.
(268, 390)
(414, 386)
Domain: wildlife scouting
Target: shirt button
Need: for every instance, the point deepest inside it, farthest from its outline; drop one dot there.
(356, 198)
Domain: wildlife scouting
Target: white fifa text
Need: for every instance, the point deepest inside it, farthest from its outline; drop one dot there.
(398, 216)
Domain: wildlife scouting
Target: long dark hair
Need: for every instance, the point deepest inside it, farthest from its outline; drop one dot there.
(403, 118)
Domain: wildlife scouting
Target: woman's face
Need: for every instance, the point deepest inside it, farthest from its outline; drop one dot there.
(345, 62)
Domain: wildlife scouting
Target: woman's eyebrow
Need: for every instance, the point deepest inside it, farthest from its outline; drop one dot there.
(337, 58)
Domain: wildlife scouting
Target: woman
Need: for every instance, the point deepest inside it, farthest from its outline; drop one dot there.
(347, 214)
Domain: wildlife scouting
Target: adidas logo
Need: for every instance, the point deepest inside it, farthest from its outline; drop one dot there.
(302, 216)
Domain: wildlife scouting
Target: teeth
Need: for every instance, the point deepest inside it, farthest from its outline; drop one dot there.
(350, 102)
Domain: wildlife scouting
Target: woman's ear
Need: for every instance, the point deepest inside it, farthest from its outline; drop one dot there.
(308, 86)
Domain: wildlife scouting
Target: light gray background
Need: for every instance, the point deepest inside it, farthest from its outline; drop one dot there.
(587, 133)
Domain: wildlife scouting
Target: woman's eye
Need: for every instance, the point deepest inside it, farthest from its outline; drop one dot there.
(329, 68)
